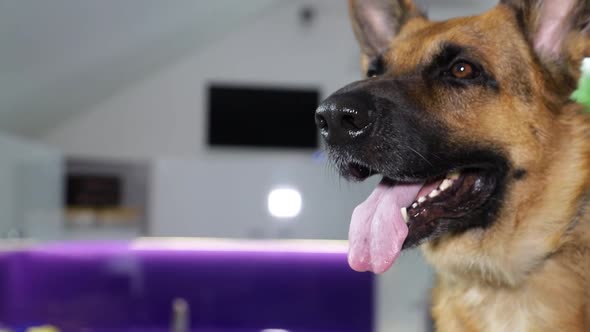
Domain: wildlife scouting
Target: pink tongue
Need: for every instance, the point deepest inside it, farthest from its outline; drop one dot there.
(378, 230)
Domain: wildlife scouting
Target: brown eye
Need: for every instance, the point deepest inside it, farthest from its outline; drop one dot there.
(464, 70)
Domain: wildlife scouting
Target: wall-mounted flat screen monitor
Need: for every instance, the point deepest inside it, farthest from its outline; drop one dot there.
(265, 117)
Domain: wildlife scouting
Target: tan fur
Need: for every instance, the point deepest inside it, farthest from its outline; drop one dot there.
(530, 271)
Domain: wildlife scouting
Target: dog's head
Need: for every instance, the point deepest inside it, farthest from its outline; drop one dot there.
(465, 120)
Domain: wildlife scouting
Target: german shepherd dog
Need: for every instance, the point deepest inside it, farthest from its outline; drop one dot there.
(485, 159)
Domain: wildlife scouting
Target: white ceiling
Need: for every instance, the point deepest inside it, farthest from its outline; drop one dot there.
(59, 57)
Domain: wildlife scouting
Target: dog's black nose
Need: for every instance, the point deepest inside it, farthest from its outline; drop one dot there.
(344, 118)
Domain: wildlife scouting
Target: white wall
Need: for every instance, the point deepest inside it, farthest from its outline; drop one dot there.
(232, 203)
(30, 190)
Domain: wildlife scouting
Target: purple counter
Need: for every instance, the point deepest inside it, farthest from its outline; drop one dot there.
(229, 286)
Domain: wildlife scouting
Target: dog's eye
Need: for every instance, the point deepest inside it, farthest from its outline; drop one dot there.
(376, 67)
(464, 70)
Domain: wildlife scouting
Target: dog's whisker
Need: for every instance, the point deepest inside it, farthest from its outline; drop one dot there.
(419, 154)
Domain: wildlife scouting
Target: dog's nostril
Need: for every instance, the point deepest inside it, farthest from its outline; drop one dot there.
(349, 122)
(321, 122)
(355, 121)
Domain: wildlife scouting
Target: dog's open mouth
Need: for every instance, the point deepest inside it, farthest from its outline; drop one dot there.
(400, 215)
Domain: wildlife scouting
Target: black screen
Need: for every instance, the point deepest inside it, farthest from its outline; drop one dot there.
(262, 117)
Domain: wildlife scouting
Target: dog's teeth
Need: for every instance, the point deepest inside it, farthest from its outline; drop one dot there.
(405, 215)
(446, 184)
(455, 175)
(434, 193)
(422, 199)
(415, 205)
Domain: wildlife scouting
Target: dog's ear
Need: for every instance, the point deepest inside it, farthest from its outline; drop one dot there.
(376, 22)
(558, 30)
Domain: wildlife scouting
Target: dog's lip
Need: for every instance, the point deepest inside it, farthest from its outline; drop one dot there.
(359, 171)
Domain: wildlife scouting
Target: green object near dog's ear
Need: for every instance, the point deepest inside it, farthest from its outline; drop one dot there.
(582, 94)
